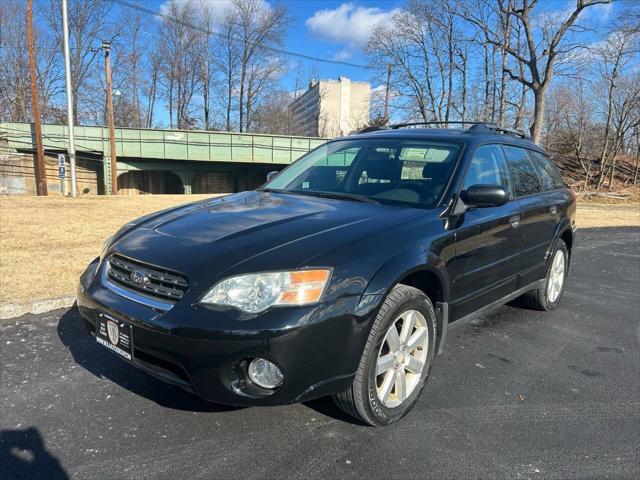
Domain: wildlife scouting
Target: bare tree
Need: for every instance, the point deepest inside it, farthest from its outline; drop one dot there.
(15, 104)
(153, 67)
(88, 26)
(206, 62)
(226, 57)
(128, 72)
(181, 69)
(258, 30)
(614, 55)
(544, 46)
(273, 115)
(421, 42)
(14, 65)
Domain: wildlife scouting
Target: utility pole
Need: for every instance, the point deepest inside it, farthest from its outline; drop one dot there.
(387, 93)
(38, 164)
(67, 70)
(106, 46)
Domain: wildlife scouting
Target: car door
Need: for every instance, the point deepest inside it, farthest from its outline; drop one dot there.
(537, 222)
(487, 239)
(555, 199)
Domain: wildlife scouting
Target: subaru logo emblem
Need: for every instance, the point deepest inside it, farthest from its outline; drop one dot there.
(138, 277)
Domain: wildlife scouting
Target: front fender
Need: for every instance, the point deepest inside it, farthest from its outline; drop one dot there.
(404, 264)
(395, 269)
(392, 273)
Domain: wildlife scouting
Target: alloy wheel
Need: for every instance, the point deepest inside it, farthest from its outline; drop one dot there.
(556, 277)
(401, 358)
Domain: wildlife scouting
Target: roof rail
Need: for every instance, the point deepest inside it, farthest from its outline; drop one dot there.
(413, 124)
(496, 128)
(476, 127)
(373, 128)
(513, 131)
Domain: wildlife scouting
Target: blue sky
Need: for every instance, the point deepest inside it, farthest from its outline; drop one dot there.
(330, 29)
(337, 30)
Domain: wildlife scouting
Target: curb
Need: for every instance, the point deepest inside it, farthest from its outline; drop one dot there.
(12, 310)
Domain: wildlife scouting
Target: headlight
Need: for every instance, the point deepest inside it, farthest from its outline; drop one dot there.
(256, 292)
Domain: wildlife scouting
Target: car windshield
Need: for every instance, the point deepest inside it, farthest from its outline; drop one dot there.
(390, 171)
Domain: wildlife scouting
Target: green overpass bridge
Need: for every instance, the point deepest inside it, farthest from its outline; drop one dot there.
(201, 160)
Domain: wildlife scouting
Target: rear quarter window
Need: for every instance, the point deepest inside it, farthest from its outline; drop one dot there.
(523, 172)
(548, 172)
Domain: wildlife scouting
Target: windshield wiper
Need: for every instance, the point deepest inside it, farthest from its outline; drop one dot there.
(336, 195)
(277, 190)
(344, 196)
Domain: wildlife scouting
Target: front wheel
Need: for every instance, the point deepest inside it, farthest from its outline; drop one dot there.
(396, 360)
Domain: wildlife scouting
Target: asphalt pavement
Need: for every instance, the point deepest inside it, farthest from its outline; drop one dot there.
(517, 394)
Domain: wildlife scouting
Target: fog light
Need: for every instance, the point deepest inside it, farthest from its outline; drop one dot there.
(264, 373)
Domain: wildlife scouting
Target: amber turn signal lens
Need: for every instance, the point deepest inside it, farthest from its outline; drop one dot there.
(304, 286)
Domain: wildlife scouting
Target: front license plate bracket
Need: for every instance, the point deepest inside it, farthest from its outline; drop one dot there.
(115, 335)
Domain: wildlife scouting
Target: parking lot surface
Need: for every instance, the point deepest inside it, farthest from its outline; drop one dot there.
(517, 394)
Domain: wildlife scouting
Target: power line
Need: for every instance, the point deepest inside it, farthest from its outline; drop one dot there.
(208, 32)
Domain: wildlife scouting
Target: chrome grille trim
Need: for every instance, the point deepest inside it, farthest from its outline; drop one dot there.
(130, 295)
(159, 286)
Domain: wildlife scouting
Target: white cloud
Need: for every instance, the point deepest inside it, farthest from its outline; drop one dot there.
(598, 14)
(601, 12)
(348, 24)
(342, 55)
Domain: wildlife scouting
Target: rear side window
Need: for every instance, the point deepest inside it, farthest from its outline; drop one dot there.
(523, 173)
(547, 171)
(487, 167)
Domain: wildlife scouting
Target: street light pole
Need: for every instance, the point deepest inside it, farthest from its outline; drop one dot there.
(106, 46)
(67, 70)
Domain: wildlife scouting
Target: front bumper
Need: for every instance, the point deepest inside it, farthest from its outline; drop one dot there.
(206, 350)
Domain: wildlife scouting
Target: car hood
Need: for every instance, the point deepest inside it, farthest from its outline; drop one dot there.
(252, 231)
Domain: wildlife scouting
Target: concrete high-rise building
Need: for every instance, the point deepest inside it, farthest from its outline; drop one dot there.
(331, 108)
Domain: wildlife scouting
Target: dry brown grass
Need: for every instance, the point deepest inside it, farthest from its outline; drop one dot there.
(595, 215)
(45, 242)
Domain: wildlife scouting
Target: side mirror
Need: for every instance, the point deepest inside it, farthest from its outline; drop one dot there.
(482, 196)
(270, 175)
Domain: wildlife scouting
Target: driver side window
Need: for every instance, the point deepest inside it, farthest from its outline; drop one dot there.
(488, 167)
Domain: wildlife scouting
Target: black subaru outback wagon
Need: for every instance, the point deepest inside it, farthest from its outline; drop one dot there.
(341, 275)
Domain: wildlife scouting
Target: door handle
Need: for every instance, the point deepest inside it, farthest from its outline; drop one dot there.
(553, 210)
(515, 221)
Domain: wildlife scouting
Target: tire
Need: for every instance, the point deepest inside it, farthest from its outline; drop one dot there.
(547, 298)
(363, 399)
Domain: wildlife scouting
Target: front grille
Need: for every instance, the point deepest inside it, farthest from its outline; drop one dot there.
(155, 282)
